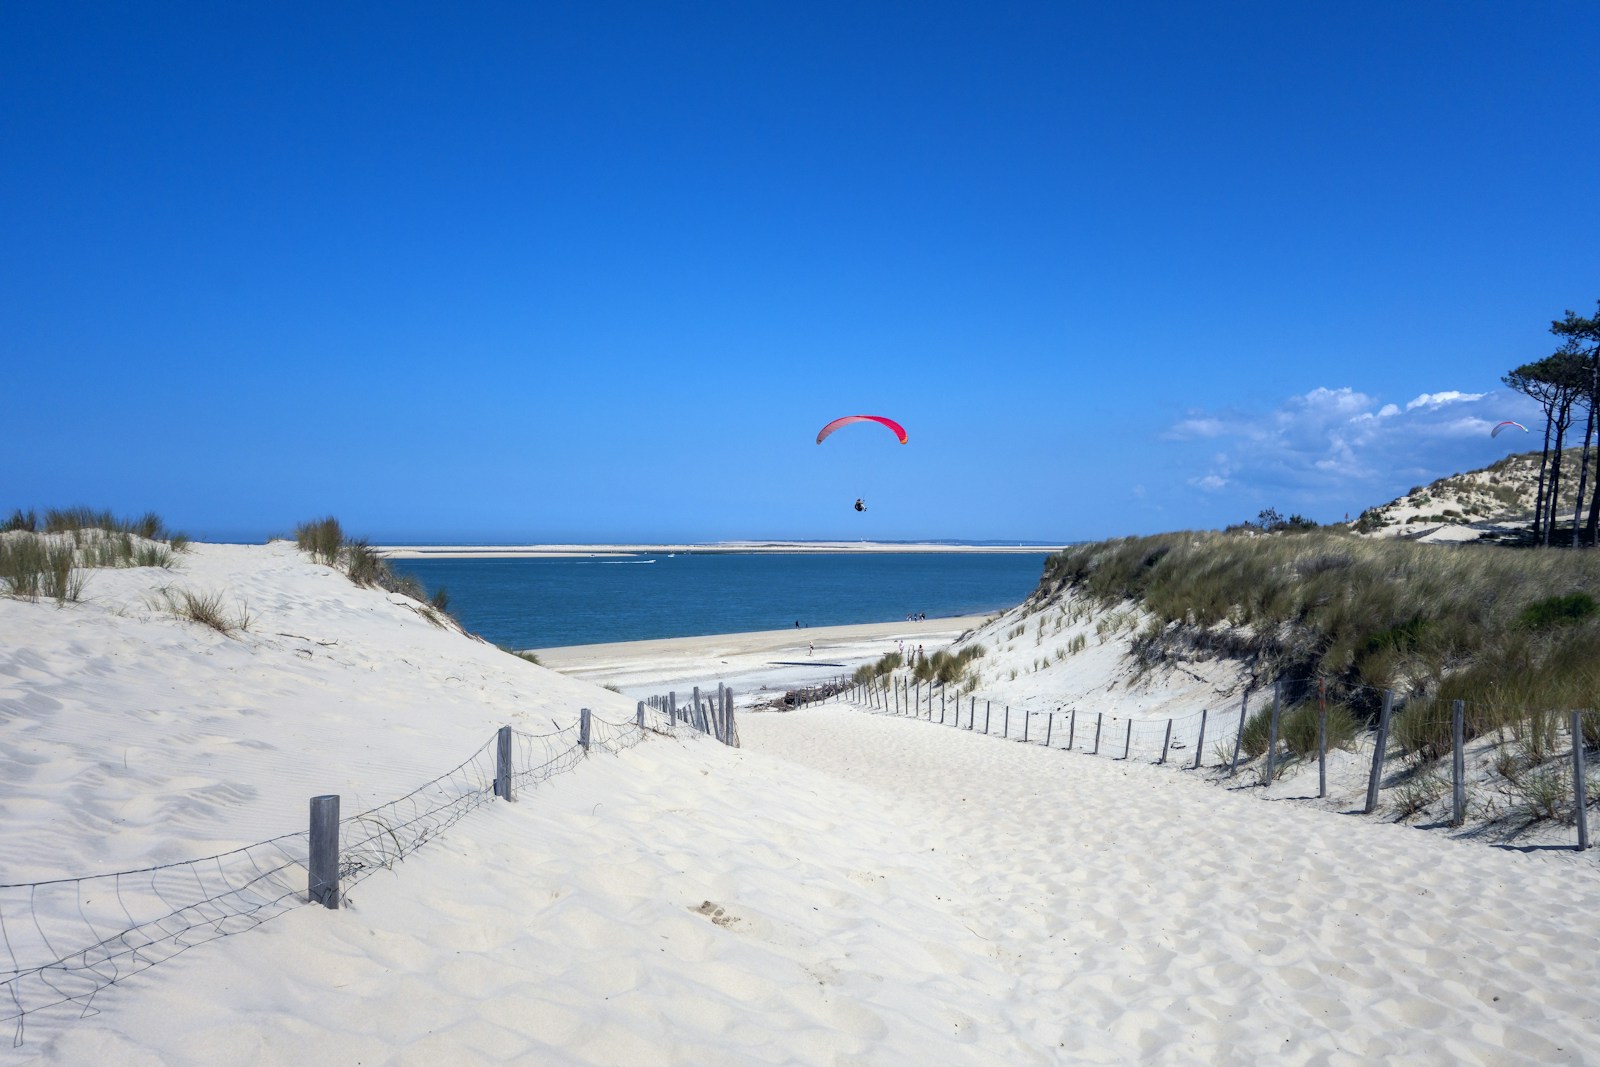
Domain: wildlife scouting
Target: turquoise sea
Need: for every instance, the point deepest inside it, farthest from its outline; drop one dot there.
(546, 603)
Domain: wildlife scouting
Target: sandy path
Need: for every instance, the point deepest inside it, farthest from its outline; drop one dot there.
(1152, 919)
(859, 889)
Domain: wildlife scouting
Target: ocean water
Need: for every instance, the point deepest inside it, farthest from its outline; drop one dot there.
(547, 603)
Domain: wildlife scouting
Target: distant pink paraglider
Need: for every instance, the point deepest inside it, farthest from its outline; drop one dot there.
(895, 427)
(1496, 431)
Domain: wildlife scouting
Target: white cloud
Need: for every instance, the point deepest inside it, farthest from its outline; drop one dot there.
(1334, 449)
(1434, 400)
(1189, 429)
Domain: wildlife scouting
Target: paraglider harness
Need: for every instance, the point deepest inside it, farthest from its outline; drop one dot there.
(859, 505)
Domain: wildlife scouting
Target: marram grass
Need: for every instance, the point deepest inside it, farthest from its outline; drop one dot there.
(1507, 630)
(50, 563)
(324, 539)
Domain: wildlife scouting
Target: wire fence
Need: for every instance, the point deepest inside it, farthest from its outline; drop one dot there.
(66, 940)
(1537, 757)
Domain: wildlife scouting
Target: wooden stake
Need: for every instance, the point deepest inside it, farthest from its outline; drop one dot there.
(1458, 762)
(502, 762)
(1238, 739)
(1580, 783)
(1375, 778)
(323, 869)
(1272, 729)
(1322, 737)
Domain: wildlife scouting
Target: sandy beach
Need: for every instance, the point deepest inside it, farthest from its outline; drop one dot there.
(848, 887)
(752, 663)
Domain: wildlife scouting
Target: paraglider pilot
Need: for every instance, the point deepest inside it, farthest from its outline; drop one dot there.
(859, 505)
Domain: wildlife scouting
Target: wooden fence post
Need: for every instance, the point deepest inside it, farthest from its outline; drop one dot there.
(1027, 718)
(1072, 727)
(1099, 718)
(941, 707)
(1005, 730)
(972, 713)
(1200, 745)
(1165, 741)
(1580, 784)
(1238, 739)
(1272, 729)
(1458, 762)
(1375, 778)
(322, 884)
(638, 716)
(1322, 737)
(1049, 725)
(988, 708)
(502, 762)
(1127, 743)
(583, 730)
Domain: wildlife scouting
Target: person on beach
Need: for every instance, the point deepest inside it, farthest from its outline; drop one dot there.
(811, 648)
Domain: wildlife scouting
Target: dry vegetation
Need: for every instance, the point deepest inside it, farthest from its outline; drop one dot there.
(324, 539)
(1505, 492)
(47, 558)
(1512, 632)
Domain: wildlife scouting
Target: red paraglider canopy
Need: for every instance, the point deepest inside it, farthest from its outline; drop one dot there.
(899, 431)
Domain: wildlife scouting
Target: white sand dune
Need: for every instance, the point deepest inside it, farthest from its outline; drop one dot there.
(848, 888)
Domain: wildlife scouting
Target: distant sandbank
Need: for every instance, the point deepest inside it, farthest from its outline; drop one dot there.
(581, 551)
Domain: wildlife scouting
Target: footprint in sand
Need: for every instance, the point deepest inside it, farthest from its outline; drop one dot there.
(716, 913)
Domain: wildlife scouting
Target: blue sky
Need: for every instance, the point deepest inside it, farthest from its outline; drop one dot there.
(600, 271)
